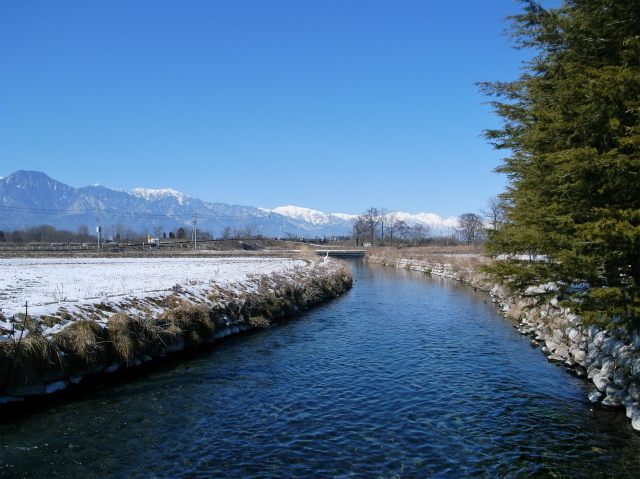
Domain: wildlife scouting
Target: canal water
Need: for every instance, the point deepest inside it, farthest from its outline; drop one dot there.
(404, 376)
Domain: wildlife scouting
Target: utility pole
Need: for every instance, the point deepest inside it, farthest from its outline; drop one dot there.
(99, 225)
(195, 235)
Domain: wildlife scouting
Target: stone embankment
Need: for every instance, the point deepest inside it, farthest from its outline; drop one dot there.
(140, 330)
(610, 360)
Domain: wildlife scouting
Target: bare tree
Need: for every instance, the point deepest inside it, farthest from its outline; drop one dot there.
(248, 231)
(470, 227)
(359, 226)
(82, 231)
(157, 230)
(391, 223)
(226, 233)
(417, 234)
(371, 219)
(401, 228)
(495, 211)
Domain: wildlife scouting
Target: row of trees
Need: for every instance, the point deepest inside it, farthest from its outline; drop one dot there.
(571, 134)
(48, 234)
(377, 226)
(119, 233)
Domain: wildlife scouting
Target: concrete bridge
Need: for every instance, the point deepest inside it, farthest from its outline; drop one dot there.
(345, 253)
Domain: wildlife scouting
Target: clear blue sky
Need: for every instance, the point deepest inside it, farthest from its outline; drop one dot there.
(335, 105)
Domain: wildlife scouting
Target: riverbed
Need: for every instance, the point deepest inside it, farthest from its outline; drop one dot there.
(403, 376)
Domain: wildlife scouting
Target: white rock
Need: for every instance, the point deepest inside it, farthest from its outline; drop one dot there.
(555, 358)
(598, 339)
(53, 387)
(632, 409)
(608, 346)
(635, 421)
(608, 367)
(573, 334)
(634, 390)
(611, 401)
(551, 345)
(595, 396)
(562, 350)
(601, 382)
(578, 355)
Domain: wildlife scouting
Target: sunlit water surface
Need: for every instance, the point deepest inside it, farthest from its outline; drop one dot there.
(403, 376)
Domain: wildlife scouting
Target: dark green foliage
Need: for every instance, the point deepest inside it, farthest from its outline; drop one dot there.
(571, 123)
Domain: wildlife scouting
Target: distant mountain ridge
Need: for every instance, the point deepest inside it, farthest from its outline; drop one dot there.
(30, 198)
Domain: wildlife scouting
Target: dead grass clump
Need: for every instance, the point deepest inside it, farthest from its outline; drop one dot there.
(84, 345)
(28, 361)
(50, 321)
(193, 321)
(126, 338)
(105, 307)
(259, 322)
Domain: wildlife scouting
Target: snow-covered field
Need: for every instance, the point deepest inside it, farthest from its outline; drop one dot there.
(46, 284)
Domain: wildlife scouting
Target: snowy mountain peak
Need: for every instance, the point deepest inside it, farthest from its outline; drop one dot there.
(305, 214)
(152, 195)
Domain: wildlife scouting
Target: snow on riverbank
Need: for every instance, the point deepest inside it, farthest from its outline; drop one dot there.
(48, 284)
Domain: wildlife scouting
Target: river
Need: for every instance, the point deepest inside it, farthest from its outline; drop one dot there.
(404, 376)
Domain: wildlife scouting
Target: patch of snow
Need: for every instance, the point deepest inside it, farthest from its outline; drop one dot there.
(305, 214)
(47, 284)
(343, 216)
(152, 195)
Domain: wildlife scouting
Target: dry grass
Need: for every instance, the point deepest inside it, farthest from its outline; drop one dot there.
(193, 321)
(30, 361)
(84, 344)
(307, 253)
(85, 347)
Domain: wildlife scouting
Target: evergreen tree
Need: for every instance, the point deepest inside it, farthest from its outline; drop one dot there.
(571, 125)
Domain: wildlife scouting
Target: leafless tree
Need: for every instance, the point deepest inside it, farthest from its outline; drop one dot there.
(470, 227)
(359, 226)
(417, 234)
(82, 231)
(372, 219)
(226, 233)
(495, 212)
(401, 228)
(391, 224)
(248, 231)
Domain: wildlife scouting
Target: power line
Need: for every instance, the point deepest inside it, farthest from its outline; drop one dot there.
(131, 214)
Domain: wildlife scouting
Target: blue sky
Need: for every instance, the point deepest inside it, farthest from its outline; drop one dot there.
(330, 105)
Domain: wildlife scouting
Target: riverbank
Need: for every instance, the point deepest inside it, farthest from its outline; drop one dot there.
(609, 359)
(96, 324)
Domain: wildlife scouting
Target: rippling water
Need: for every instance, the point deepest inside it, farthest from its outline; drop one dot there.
(404, 376)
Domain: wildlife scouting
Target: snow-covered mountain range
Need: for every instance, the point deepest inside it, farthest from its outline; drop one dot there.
(29, 198)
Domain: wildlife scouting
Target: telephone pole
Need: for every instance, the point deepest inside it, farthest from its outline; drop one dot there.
(195, 235)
